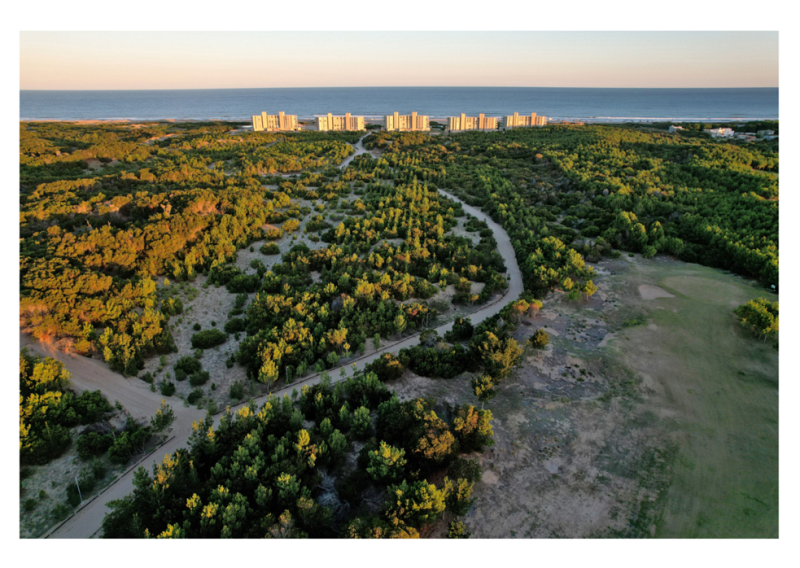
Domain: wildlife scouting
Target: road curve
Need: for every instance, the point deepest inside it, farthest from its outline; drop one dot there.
(87, 521)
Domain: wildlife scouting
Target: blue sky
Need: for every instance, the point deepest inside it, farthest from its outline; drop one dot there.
(186, 60)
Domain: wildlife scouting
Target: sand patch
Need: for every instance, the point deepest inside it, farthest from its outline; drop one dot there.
(490, 477)
(650, 292)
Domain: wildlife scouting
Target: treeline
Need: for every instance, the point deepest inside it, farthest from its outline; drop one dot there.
(566, 192)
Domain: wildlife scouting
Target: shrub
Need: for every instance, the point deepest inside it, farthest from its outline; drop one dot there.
(195, 395)
(198, 378)
(462, 330)
(387, 367)
(467, 469)
(270, 249)
(166, 388)
(187, 365)
(128, 443)
(30, 504)
(208, 338)
(234, 325)
(236, 391)
(540, 339)
(291, 225)
(196, 327)
(244, 283)
(273, 234)
(93, 444)
(60, 512)
(91, 406)
(180, 375)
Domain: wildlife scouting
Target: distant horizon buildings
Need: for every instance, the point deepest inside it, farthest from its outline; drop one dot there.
(337, 123)
(408, 122)
(464, 122)
(275, 122)
(521, 121)
(720, 132)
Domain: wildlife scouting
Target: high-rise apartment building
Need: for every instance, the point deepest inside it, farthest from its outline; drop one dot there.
(411, 121)
(275, 122)
(518, 120)
(346, 122)
(480, 122)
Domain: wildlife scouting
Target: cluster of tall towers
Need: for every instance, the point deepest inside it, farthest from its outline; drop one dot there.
(396, 122)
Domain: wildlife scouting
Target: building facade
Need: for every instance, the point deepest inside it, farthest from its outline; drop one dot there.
(720, 132)
(464, 122)
(329, 122)
(275, 122)
(520, 121)
(413, 121)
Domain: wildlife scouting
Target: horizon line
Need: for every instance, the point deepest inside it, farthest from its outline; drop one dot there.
(393, 87)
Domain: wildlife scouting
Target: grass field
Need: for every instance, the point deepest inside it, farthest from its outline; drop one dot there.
(716, 390)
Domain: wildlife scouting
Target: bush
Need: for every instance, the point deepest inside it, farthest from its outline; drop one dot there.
(166, 388)
(273, 234)
(387, 367)
(128, 443)
(462, 330)
(196, 327)
(148, 377)
(30, 504)
(236, 391)
(540, 339)
(234, 325)
(244, 283)
(93, 444)
(195, 395)
(187, 365)
(291, 225)
(198, 378)
(270, 249)
(208, 338)
(180, 375)
(91, 406)
(467, 469)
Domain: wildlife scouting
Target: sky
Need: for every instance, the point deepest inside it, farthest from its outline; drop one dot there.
(208, 60)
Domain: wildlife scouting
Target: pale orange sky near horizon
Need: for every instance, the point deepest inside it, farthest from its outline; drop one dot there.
(197, 60)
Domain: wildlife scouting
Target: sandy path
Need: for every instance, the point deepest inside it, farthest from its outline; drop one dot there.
(86, 522)
(359, 147)
(136, 398)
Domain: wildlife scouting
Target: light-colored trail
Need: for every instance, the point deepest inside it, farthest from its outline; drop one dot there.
(136, 396)
(359, 147)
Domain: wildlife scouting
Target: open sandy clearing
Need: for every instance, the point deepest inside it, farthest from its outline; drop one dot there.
(650, 292)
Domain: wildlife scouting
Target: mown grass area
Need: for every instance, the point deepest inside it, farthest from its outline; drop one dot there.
(716, 390)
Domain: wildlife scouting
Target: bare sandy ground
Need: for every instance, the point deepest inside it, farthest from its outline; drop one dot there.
(650, 292)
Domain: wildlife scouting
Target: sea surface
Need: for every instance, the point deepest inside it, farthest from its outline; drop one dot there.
(594, 105)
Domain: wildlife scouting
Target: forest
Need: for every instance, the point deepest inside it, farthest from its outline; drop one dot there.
(116, 218)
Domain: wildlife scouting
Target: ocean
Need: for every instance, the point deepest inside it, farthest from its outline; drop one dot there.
(591, 105)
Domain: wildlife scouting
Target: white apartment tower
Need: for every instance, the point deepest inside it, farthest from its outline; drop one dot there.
(275, 122)
(464, 122)
(517, 121)
(329, 122)
(413, 122)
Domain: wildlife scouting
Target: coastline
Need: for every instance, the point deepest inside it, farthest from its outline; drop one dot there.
(380, 119)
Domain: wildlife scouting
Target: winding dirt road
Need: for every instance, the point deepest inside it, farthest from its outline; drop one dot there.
(137, 398)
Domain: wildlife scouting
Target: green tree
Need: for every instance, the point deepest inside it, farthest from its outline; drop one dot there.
(163, 419)
(386, 464)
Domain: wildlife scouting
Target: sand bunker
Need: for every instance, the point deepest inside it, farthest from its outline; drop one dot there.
(650, 292)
